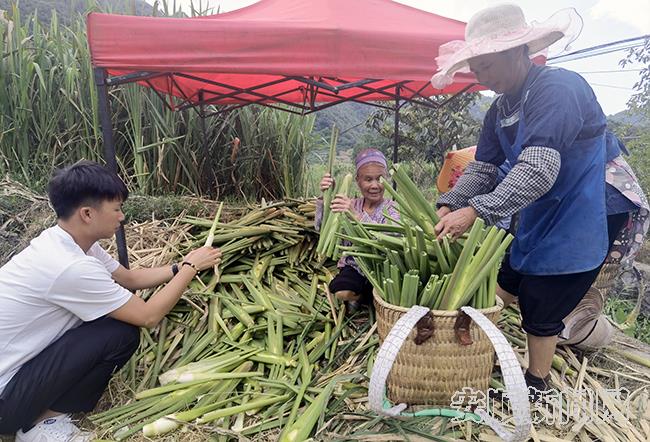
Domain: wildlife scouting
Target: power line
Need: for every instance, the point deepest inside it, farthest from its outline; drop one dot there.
(612, 86)
(594, 53)
(601, 49)
(615, 71)
(602, 46)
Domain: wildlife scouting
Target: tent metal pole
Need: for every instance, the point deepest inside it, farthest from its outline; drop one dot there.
(104, 109)
(396, 134)
(206, 182)
(396, 137)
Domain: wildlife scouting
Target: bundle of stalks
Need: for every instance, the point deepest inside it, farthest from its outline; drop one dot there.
(328, 195)
(328, 240)
(408, 265)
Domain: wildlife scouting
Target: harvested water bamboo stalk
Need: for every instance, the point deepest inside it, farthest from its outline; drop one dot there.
(399, 258)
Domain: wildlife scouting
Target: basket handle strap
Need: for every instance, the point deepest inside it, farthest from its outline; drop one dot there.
(512, 374)
(513, 378)
(385, 358)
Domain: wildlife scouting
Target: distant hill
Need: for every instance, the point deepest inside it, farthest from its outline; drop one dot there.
(350, 118)
(632, 127)
(630, 117)
(68, 9)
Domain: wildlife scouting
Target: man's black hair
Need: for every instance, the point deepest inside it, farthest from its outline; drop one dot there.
(83, 183)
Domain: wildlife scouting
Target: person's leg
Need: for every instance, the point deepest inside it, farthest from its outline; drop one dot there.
(545, 313)
(68, 376)
(507, 297)
(540, 354)
(348, 285)
(508, 281)
(545, 301)
(615, 224)
(84, 395)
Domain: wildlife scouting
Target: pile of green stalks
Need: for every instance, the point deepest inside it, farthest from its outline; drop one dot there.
(407, 265)
(252, 346)
(165, 359)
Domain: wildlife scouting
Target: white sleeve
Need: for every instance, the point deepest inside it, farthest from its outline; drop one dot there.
(107, 260)
(87, 290)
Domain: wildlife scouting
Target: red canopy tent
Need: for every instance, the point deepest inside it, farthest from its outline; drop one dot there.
(303, 54)
(295, 52)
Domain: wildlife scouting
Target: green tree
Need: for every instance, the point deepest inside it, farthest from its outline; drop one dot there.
(637, 133)
(640, 101)
(427, 134)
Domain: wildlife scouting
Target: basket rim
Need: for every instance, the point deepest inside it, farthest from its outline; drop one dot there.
(443, 313)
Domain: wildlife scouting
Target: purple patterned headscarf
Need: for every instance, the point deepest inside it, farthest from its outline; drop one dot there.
(370, 155)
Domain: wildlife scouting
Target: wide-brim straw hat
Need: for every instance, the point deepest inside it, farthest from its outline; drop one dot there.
(586, 327)
(499, 28)
(453, 167)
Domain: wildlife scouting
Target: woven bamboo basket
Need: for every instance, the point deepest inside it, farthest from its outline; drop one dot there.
(605, 279)
(430, 373)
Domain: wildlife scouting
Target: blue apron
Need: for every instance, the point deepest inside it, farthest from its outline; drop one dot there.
(565, 230)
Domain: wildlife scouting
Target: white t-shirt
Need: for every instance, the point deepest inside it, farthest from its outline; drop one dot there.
(49, 288)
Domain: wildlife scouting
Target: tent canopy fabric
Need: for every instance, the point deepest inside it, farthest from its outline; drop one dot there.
(281, 51)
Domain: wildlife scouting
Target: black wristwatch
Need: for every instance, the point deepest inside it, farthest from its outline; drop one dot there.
(174, 269)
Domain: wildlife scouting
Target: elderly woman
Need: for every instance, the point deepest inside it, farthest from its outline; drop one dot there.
(548, 125)
(350, 285)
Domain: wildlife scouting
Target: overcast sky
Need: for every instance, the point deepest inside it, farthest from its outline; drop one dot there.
(604, 21)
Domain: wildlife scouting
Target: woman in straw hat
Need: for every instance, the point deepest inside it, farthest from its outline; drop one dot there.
(548, 125)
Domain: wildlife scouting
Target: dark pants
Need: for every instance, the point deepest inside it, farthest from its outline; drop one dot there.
(70, 375)
(546, 300)
(350, 279)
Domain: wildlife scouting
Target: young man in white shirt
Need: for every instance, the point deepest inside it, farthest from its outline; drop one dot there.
(68, 318)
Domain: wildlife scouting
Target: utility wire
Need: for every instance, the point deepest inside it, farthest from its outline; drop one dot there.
(615, 71)
(602, 46)
(595, 53)
(612, 86)
(601, 49)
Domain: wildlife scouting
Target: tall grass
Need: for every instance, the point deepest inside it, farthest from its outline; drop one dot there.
(275, 152)
(49, 117)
